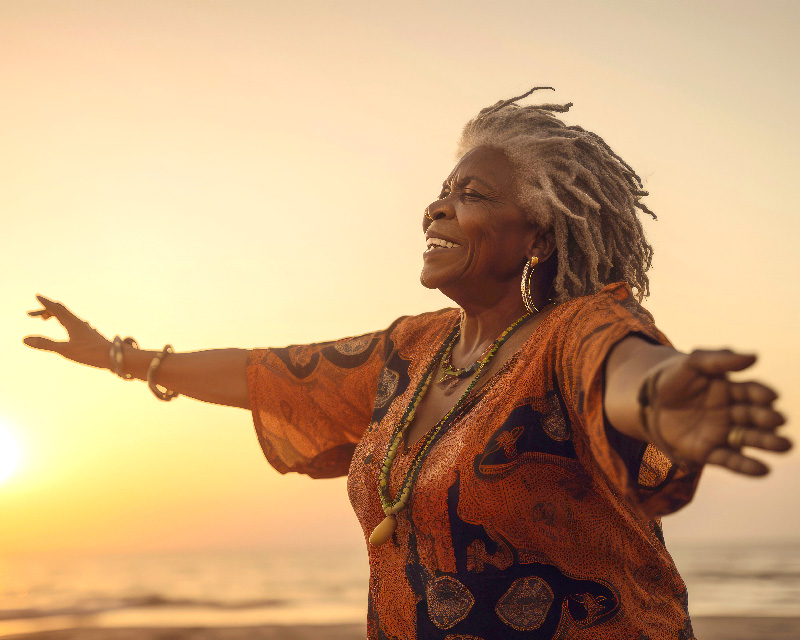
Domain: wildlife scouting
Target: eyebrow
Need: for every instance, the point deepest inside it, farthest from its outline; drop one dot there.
(467, 180)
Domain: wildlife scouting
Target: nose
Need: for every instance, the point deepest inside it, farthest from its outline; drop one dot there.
(438, 209)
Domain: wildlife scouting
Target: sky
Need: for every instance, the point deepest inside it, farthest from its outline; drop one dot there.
(251, 174)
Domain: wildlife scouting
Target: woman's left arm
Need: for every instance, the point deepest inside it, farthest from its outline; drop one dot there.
(686, 405)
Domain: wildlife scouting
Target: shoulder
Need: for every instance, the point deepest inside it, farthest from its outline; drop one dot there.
(613, 307)
(615, 300)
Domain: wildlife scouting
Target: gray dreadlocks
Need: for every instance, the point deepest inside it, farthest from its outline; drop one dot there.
(571, 182)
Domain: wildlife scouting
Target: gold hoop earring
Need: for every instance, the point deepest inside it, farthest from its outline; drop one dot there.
(525, 285)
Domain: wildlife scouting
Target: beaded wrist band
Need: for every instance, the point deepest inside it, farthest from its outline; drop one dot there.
(651, 428)
(115, 356)
(166, 395)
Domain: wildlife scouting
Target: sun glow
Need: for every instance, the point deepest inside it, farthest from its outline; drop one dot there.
(10, 453)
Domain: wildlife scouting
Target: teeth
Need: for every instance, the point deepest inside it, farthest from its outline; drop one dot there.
(438, 243)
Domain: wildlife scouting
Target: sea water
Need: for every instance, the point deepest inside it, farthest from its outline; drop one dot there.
(308, 586)
(743, 579)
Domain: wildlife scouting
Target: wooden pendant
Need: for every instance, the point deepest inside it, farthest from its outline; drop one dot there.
(384, 531)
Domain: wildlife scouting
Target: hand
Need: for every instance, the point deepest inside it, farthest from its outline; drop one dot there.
(695, 409)
(85, 345)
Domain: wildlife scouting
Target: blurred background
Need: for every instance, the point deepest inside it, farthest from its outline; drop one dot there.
(252, 173)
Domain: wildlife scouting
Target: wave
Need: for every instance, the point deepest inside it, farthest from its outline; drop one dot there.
(150, 601)
(727, 574)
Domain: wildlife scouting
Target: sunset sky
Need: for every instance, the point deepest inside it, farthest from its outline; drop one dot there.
(249, 173)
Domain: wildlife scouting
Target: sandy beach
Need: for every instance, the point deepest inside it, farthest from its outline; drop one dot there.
(266, 632)
(736, 628)
(706, 628)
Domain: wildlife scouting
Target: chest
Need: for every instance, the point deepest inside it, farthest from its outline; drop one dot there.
(446, 394)
(514, 422)
(437, 403)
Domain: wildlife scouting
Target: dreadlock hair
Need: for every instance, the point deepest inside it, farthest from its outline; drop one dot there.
(569, 180)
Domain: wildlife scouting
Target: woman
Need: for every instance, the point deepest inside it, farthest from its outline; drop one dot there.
(508, 461)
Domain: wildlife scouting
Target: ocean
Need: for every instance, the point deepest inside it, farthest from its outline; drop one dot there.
(248, 588)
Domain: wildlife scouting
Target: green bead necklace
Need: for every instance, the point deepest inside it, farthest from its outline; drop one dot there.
(450, 374)
(391, 507)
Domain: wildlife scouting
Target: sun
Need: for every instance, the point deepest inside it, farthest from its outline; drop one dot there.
(10, 453)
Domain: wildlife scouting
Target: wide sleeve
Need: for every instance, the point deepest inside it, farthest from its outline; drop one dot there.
(647, 479)
(312, 403)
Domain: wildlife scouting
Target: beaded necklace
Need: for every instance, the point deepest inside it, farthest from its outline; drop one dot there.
(391, 507)
(450, 374)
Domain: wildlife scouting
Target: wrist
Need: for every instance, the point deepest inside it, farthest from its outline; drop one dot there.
(118, 350)
(648, 402)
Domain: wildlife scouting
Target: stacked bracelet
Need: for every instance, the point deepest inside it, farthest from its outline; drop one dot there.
(115, 355)
(645, 397)
(162, 393)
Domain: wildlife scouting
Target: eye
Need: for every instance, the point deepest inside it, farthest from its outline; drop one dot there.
(471, 194)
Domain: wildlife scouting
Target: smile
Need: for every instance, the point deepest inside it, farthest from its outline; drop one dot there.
(438, 243)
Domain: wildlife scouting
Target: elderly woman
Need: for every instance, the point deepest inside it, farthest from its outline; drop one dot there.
(509, 460)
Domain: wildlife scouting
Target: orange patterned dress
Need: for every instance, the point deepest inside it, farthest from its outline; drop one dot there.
(530, 518)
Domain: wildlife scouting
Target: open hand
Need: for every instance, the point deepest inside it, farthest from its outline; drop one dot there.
(85, 345)
(699, 416)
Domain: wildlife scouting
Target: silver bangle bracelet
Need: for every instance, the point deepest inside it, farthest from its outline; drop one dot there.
(162, 393)
(115, 356)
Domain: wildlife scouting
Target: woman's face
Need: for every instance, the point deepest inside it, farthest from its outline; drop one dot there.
(478, 235)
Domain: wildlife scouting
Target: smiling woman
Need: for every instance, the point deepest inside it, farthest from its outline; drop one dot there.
(509, 460)
(10, 453)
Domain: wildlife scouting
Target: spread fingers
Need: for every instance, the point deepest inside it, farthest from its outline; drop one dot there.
(52, 308)
(44, 314)
(45, 344)
(752, 393)
(718, 362)
(765, 440)
(758, 416)
(737, 462)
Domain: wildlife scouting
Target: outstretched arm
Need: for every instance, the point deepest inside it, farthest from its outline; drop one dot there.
(217, 376)
(691, 411)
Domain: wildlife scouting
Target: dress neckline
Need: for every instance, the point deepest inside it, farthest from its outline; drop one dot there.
(481, 389)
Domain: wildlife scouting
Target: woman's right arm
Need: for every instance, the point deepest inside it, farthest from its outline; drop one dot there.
(218, 376)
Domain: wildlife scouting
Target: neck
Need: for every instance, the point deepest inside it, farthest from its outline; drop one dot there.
(480, 326)
(487, 311)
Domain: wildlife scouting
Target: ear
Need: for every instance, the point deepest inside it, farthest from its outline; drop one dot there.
(541, 244)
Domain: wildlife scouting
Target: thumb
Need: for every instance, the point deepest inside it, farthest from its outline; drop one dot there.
(45, 344)
(719, 361)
